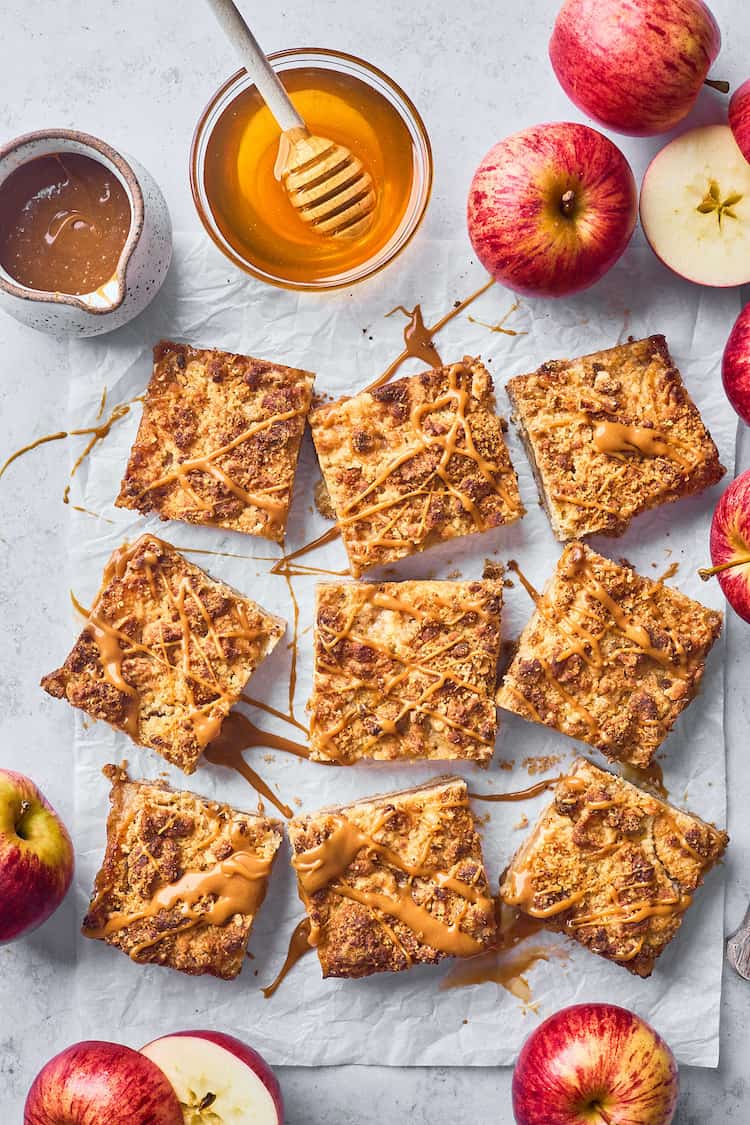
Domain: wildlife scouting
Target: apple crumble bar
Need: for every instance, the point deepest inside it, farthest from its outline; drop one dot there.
(405, 670)
(218, 441)
(165, 651)
(612, 867)
(415, 462)
(182, 877)
(394, 880)
(609, 657)
(611, 435)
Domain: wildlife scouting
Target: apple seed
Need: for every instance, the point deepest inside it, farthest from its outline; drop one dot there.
(712, 201)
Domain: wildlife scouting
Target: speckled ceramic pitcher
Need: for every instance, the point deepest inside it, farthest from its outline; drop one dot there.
(142, 265)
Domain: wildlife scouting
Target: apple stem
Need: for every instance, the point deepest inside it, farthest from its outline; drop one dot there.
(717, 84)
(568, 202)
(707, 572)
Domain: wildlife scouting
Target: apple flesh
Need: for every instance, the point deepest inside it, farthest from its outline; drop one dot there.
(218, 1079)
(739, 117)
(735, 365)
(592, 1064)
(551, 209)
(36, 857)
(98, 1083)
(730, 545)
(635, 66)
(695, 207)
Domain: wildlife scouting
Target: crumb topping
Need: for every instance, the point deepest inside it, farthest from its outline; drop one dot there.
(609, 657)
(414, 462)
(610, 435)
(219, 440)
(612, 867)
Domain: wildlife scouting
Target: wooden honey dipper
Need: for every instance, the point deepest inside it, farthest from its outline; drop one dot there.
(328, 186)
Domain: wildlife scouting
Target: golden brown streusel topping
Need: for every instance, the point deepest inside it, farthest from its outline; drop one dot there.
(182, 877)
(612, 867)
(393, 881)
(609, 657)
(219, 440)
(610, 435)
(405, 670)
(166, 651)
(417, 461)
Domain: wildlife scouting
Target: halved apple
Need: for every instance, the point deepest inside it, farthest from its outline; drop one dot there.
(695, 207)
(218, 1079)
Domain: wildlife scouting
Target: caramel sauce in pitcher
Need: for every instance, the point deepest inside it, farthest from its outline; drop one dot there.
(64, 219)
(251, 206)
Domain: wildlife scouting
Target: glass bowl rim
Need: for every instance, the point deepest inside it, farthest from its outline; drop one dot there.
(404, 107)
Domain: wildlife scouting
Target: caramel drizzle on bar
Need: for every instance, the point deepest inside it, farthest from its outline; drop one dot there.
(235, 885)
(587, 644)
(458, 397)
(207, 463)
(330, 638)
(324, 866)
(520, 889)
(115, 645)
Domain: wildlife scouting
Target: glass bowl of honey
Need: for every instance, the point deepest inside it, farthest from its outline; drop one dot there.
(245, 208)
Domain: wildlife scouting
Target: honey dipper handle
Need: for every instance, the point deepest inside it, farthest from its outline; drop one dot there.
(256, 64)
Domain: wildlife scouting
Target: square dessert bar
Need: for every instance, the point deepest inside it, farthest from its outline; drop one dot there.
(612, 867)
(609, 657)
(611, 435)
(165, 651)
(415, 462)
(405, 670)
(394, 880)
(182, 877)
(218, 441)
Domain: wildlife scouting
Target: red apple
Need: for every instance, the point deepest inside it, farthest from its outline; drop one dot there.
(592, 1064)
(735, 366)
(551, 209)
(36, 857)
(739, 117)
(635, 66)
(730, 545)
(96, 1083)
(230, 1080)
(695, 207)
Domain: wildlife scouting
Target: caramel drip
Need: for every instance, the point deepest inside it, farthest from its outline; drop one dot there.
(520, 794)
(500, 325)
(321, 541)
(323, 866)
(530, 590)
(207, 464)
(615, 437)
(518, 895)
(579, 502)
(632, 913)
(299, 945)
(669, 572)
(239, 734)
(458, 397)
(416, 338)
(236, 885)
(273, 711)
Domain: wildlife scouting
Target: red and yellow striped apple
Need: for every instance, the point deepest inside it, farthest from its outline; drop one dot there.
(591, 1064)
(739, 117)
(216, 1074)
(98, 1083)
(635, 66)
(730, 545)
(735, 365)
(551, 209)
(36, 857)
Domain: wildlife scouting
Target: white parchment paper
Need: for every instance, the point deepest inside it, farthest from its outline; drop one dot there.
(405, 1018)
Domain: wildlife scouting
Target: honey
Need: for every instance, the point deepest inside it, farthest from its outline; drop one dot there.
(250, 206)
(64, 219)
